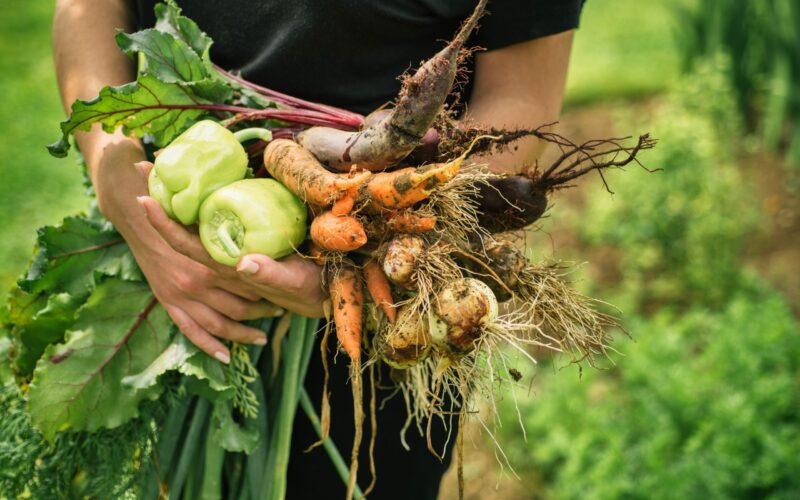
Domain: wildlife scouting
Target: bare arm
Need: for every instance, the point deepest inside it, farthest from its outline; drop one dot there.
(204, 299)
(520, 86)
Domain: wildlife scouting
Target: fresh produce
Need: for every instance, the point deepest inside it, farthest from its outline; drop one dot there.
(401, 257)
(379, 289)
(408, 341)
(201, 160)
(395, 204)
(463, 308)
(388, 141)
(347, 299)
(337, 233)
(298, 170)
(251, 216)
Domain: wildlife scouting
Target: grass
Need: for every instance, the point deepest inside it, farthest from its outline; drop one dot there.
(624, 49)
(36, 188)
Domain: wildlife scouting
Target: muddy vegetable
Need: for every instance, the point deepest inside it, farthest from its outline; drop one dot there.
(407, 342)
(388, 141)
(463, 308)
(401, 257)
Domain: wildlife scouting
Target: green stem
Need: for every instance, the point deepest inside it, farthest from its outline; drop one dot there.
(225, 240)
(189, 453)
(280, 443)
(169, 435)
(212, 471)
(330, 448)
(247, 134)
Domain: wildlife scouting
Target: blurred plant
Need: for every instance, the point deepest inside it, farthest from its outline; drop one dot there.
(680, 230)
(703, 405)
(763, 39)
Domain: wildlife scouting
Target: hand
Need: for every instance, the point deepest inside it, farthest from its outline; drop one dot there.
(205, 304)
(205, 307)
(293, 282)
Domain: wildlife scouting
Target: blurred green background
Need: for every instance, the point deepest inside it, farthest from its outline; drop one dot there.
(702, 257)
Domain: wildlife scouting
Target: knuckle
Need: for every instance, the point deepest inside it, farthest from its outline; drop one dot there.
(239, 311)
(183, 282)
(215, 325)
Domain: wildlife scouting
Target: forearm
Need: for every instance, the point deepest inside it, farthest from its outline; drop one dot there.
(521, 86)
(86, 60)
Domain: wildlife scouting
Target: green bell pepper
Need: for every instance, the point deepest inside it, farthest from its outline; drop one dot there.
(201, 160)
(252, 216)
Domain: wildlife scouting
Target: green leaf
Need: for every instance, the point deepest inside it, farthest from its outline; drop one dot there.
(72, 254)
(147, 106)
(78, 384)
(46, 326)
(168, 58)
(182, 356)
(232, 435)
(169, 20)
(171, 60)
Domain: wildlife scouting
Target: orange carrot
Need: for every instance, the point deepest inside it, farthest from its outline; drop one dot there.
(302, 174)
(347, 299)
(317, 254)
(405, 187)
(379, 289)
(337, 233)
(410, 222)
(344, 205)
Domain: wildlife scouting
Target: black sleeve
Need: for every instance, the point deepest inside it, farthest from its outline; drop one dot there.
(514, 21)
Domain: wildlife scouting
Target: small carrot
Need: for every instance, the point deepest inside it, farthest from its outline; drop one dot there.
(379, 289)
(410, 222)
(317, 254)
(405, 187)
(347, 298)
(344, 205)
(302, 174)
(337, 233)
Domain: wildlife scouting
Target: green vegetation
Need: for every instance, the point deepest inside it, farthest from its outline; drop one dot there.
(763, 38)
(622, 51)
(37, 189)
(702, 405)
(683, 227)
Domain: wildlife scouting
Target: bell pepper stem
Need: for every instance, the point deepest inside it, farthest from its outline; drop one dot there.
(247, 134)
(226, 241)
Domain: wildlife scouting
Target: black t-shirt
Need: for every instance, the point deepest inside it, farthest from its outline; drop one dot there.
(349, 53)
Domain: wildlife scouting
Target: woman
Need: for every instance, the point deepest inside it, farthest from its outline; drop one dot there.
(346, 53)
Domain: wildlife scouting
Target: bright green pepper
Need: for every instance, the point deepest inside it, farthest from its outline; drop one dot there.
(201, 160)
(252, 216)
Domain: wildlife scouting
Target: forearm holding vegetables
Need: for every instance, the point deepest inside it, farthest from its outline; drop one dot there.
(520, 86)
(87, 59)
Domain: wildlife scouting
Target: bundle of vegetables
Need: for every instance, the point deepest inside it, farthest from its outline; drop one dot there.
(397, 210)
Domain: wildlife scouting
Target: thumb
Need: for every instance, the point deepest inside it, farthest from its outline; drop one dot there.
(144, 168)
(263, 270)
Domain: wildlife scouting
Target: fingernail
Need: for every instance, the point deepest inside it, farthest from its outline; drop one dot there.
(141, 199)
(222, 357)
(247, 266)
(280, 312)
(260, 340)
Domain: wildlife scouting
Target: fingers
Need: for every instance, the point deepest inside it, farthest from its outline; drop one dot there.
(198, 336)
(144, 168)
(218, 325)
(293, 274)
(294, 283)
(239, 309)
(177, 235)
